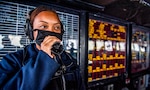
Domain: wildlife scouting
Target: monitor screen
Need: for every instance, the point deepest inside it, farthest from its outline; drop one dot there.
(140, 48)
(106, 49)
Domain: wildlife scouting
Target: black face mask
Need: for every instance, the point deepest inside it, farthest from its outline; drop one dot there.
(42, 34)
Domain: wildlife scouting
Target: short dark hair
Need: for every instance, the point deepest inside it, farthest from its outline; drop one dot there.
(33, 13)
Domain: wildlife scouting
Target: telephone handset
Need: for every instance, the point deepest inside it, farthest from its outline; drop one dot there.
(57, 48)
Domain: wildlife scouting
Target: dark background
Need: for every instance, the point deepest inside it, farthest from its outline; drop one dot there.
(136, 11)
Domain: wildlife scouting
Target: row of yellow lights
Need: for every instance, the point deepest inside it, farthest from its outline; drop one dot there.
(103, 24)
(104, 57)
(104, 37)
(103, 77)
(90, 70)
(137, 61)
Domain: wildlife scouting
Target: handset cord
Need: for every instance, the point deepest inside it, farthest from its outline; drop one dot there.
(63, 68)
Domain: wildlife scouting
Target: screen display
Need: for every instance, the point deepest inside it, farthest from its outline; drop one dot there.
(106, 50)
(140, 49)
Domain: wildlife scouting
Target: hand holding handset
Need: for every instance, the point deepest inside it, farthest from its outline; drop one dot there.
(57, 48)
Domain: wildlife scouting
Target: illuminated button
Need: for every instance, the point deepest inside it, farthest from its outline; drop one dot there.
(111, 28)
(116, 64)
(118, 30)
(108, 69)
(94, 58)
(90, 56)
(116, 54)
(104, 66)
(89, 69)
(108, 58)
(98, 69)
(105, 36)
(101, 37)
(111, 56)
(101, 26)
(97, 78)
(103, 76)
(94, 71)
(98, 57)
(89, 79)
(110, 76)
(91, 30)
(115, 74)
(104, 56)
(123, 30)
(121, 65)
(104, 31)
(95, 36)
(90, 36)
(121, 56)
(111, 67)
(118, 38)
(108, 38)
(90, 62)
(101, 32)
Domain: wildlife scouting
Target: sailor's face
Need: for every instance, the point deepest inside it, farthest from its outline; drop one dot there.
(46, 20)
